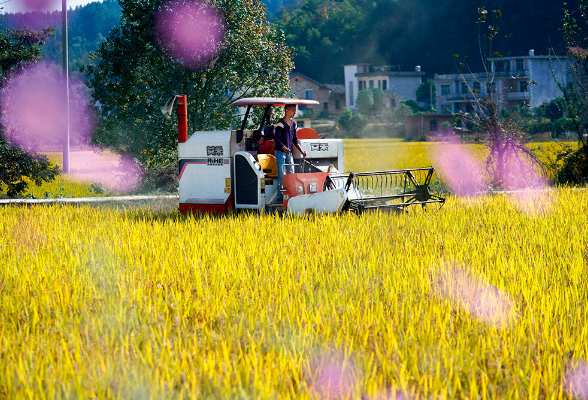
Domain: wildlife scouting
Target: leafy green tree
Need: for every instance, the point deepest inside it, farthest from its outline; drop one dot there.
(554, 110)
(331, 33)
(18, 50)
(351, 125)
(400, 112)
(575, 30)
(365, 101)
(88, 25)
(371, 101)
(325, 35)
(133, 77)
(344, 119)
(415, 108)
(379, 101)
(425, 90)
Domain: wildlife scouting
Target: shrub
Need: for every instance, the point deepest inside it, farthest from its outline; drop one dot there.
(310, 113)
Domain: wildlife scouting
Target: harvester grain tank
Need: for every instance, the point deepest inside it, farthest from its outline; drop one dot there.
(222, 171)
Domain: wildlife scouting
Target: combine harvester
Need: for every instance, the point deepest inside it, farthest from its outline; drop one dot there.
(222, 171)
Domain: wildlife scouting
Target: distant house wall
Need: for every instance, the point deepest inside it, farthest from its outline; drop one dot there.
(396, 84)
(330, 97)
(519, 80)
(429, 124)
(546, 88)
(405, 86)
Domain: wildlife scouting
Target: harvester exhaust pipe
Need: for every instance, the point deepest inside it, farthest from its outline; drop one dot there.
(182, 118)
(182, 102)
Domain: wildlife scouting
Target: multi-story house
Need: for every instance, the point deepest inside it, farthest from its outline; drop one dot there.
(521, 80)
(330, 97)
(395, 83)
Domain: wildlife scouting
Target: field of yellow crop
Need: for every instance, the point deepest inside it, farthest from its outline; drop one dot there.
(386, 154)
(485, 298)
(360, 155)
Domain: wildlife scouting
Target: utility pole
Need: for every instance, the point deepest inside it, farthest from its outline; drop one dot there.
(66, 168)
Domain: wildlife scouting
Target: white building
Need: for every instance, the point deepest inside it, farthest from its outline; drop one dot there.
(401, 84)
(521, 80)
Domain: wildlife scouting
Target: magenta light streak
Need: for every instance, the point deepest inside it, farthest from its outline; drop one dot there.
(35, 116)
(528, 188)
(534, 202)
(392, 395)
(34, 109)
(38, 5)
(190, 32)
(576, 381)
(333, 379)
(478, 298)
(459, 169)
(112, 171)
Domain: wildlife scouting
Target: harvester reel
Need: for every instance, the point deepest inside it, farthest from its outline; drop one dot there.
(393, 190)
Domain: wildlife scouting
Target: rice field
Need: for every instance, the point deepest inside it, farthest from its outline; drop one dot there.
(485, 298)
(360, 155)
(386, 154)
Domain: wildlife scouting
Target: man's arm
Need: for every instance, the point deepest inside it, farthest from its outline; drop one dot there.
(300, 149)
(278, 137)
(296, 142)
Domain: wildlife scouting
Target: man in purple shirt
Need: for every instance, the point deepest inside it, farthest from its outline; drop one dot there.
(285, 137)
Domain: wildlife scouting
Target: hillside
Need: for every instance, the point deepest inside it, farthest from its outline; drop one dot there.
(328, 34)
(87, 27)
(405, 33)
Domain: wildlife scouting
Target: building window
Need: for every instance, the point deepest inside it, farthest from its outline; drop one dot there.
(371, 84)
(477, 87)
(446, 109)
(502, 66)
(326, 105)
(308, 94)
(384, 85)
(300, 124)
(464, 88)
(445, 90)
(523, 86)
(433, 125)
(337, 105)
(350, 93)
(520, 65)
(379, 84)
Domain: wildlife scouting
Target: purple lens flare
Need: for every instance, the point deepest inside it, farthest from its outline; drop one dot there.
(34, 113)
(459, 168)
(480, 299)
(190, 32)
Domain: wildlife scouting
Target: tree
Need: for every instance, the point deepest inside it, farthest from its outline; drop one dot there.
(365, 101)
(555, 109)
(351, 124)
(371, 101)
(379, 101)
(249, 59)
(510, 163)
(427, 89)
(20, 49)
(330, 33)
(575, 32)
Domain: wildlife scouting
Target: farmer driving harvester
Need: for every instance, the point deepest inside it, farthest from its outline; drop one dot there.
(285, 137)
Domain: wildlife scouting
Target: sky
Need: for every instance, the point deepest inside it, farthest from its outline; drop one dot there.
(12, 6)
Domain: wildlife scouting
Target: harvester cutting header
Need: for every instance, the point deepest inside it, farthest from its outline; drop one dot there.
(221, 171)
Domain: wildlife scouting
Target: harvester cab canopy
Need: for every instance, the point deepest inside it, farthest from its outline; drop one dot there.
(268, 102)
